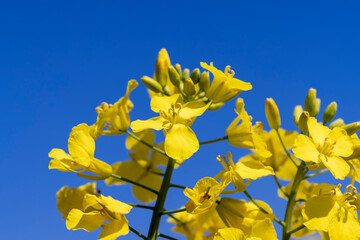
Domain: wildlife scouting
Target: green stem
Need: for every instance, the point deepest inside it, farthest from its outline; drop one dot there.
(296, 229)
(261, 209)
(135, 183)
(159, 205)
(280, 187)
(287, 152)
(166, 236)
(177, 186)
(173, 211)
(317, 173)
(291, 201)
(141, 206)
(137, 233)
(215, 140)
(145, 143)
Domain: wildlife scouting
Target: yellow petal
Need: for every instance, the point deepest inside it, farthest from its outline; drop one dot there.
(128, 169)
(139, 148)
(305, 149)
(264, 230)
(343, 146)
(181, 142)
(156, 123)
(317, 131)
(164, 102)
(88, 221)
(229, 234)
(345, 226)
(81, 147)
(193, 109)
(337, 166)
(253, 169)
(150, 180)
(114, 229)
(115, 206)
(59, 154)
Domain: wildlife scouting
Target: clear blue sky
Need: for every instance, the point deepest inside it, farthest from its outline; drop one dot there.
(61, 59)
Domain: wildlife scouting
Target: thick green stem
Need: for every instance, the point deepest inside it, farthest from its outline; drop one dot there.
(159, 205)
(215, 140)
(292, 200)
(287, 152)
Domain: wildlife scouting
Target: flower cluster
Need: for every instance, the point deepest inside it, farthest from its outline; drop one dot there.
(214, 209)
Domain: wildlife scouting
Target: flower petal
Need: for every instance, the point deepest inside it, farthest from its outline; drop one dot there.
(88, 221)
(337, 166)
(317, 131)
(305, 149)
(253, 169)
(164, 102)
(114, 229)
(154, 123)
(181, 142)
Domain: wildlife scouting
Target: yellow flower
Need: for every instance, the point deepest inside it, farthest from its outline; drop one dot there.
(242, 134)
(203, 195)
(68, 199)
(180, 141)
(140, 168)
(81, 147)
(332, 212)
(236, 173)
(224, 87)
(115, 118)
(96, 210)
(325, 147)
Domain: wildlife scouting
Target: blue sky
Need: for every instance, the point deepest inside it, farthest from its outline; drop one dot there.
(61, 59)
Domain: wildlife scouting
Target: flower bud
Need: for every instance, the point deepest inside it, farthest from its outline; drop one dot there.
(178, 68)
(303, 119)
(272, 113)
(161, 67)
(185, 74)
(215, 106)
(297, 112)
(352, 128)
(336, 123)
(189, 88)
(174, 76)
(329, 112)
(204, 81)
(151, 84)
(312, 104)
(195, 75)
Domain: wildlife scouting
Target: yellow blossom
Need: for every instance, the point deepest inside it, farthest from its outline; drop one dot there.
(243, 134)
(332, 212)
(224, 86)
(203, 195)
(81, 147)
(180, 141)
(325, 147)
(95, 211)
(68, 199)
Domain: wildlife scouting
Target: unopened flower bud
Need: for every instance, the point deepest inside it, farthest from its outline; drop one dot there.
(272, 113)
(215, 106)
(329, 112)
(161, 67)
(352, 128)
(185, 74)
(303, 119)
(336, 123)
(178, 68)
(174, 76)
(195, 75)
(189, 88)
(204, 81)
(312, 104)
(297, 112)
(151, 84)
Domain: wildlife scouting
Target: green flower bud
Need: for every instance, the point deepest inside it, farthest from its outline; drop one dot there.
(297, 112)
(312, 104)
(329, 112)
(352, 128)
(152, 84)
(303, 119)
(174, 76)
(189, 88)
(204, 81)
(272, 113)
(178, 68)
(195, 75)
(185, 74)
(161, 67)
(215, 106)
(336, 123)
